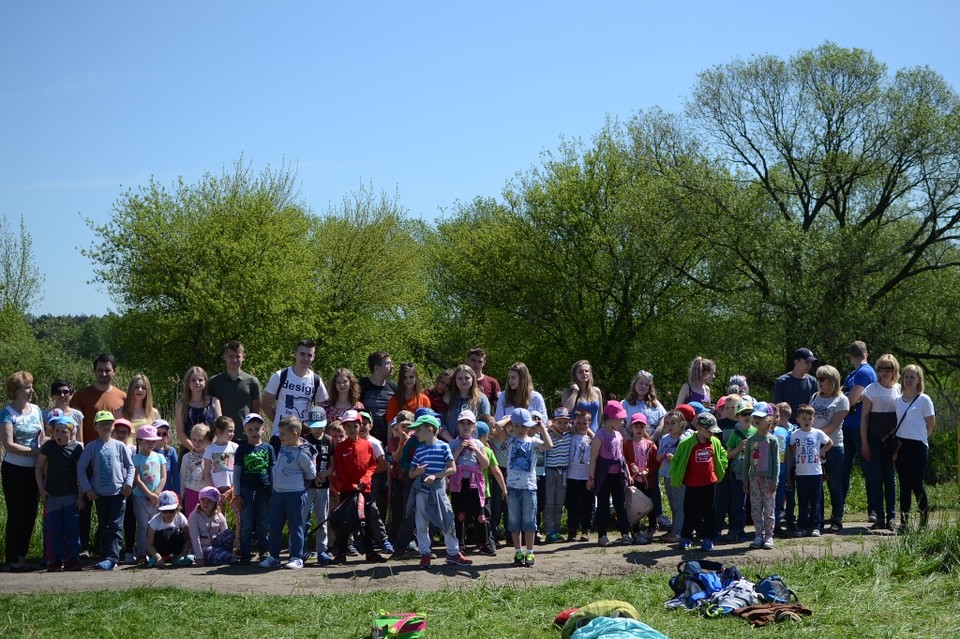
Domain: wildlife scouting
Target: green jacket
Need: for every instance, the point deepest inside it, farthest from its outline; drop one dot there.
(678, 465)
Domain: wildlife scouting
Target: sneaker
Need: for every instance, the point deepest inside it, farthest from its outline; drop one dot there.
(84, 554)
(424, 561)
(72, 566)
(891, 525)
(872, 517)
(626, 540)
(554, 537)
(539, 537)
(685, 544)
(743, 537)
(768, 544)
(707, 545)
(488, 551)
(571, 537)
(640, 539)
(815, 532)
(310, 555)
(128, 558)
(152, 562)
(53, 566)
(529, 559)
(386, 546)
(352, 550)
(460, 560)
(664, 522)
(107, 564)
(603, 542)
(294, 564)
(584, 536)
(324, 558)
(375, 558)
(757, 542)
(270, 562)
(340, 560)
(519, 559)
(182, 561)
(835, 527)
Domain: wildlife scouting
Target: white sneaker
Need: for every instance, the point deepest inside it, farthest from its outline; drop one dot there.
(815, 532)
(604, 541)
(768, 544)
(270, 562)
(294, 564)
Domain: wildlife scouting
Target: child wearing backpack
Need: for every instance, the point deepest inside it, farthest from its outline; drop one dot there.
(763, 474)
(699, 463)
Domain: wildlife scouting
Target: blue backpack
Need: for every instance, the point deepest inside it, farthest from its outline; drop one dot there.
(772, 590)
(696, 581)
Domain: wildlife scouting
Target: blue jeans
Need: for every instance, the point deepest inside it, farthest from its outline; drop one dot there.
(521, 510)
(287, 508)
(738, 505)
(256, 511)
(110, 511)
(833, 466)
(61, 524)
(851, 452)
(781, 501)
(723, 503)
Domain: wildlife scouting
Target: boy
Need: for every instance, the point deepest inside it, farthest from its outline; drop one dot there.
(522, 449)
(252, 469)
(170, 456)
(579, 500)
(786, 494)
(56, 473)
(736, 447)
(293, 468)
(699, 463)
(318, 492)
(432, 463)
(353, 469)
(556, 460)
(763, 475)
(541, 422)
(111, 483)
(468, 488)
(378, 487)
(808, 447)
(488, 547)
(399, 482)
(407, 528)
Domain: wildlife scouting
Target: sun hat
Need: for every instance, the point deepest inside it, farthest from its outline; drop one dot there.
(147, 433)
(103, 416)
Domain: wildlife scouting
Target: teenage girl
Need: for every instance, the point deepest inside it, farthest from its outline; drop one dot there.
(440, 393)
(642, 398)
(702, 371)
(582, 394)
(195, 405)
(138, 407)
(465, 395)
(344, 395)
(409, 395)
(519, 393)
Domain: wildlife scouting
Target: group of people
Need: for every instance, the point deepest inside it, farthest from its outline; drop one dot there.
(373, 466)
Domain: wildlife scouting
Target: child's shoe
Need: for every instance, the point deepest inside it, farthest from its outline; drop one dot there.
(571, 537)
(72, 565)
(529, 560)
(685, 544)
(128, 558)
(584, 536)
(352, 550)
(768, 544)
(640, 539)
(671, 538)
(375, 558)
(324, 558)
(294, 564)
(487, 550)
(340, 559)
(757, 542)
(245, 560)
(107, 565)
(815, 532)
(519, 559)
(270, 562)
(424, 562)
(54, 566)
(183, 561)
(707, 545)
(152, 561)
(386, 546)
(626, 540)
(460, 560)
(604, 541)
(554, 537)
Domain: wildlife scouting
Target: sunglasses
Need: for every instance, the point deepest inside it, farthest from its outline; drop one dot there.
(63, 392)
(885, 369)
(163, 433)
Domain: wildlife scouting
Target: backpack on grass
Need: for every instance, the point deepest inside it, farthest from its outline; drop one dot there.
(398, 625)
(695, 582)
(772, 590)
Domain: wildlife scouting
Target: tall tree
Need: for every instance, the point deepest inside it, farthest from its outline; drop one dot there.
(21, 286)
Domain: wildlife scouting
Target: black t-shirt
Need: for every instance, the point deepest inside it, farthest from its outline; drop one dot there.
(727, 426)
(255, 464)
(325, 449)
(375, 399)
(61, 467)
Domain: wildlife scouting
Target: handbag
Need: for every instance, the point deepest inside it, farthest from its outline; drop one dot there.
(890, 443)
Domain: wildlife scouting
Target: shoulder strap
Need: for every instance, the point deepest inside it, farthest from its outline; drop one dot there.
(902, 417)
(283, 380)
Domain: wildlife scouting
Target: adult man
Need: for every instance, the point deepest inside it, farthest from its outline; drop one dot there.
(237, 390)
(292, 390)
(489, 386)
(797, 386)
(376, 391)
(856, 381)
(99, 396)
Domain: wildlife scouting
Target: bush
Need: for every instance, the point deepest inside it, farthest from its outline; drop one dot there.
(942, 466)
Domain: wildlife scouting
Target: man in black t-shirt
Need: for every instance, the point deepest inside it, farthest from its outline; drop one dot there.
(376, 391)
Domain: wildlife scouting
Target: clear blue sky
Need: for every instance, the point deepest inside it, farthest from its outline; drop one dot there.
(436, 101)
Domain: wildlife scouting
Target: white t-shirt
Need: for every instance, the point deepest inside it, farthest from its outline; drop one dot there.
(579, 467)
(221, 458)
(914, 425)
(295, 397)
(824, 408)
(883, 400)
(376, 445)
(806, 455)
(157, 523)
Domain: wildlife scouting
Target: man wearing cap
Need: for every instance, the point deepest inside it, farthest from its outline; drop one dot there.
(797, 386)
(699, 463)
(353, 468)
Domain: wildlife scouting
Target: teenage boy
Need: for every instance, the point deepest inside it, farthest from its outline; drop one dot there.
(376, 390)
(237, 390)
(291, 391)
(699, 463)
(111, 482)
(857, 380)
(808, 448)
(797, 386)
(489, 386)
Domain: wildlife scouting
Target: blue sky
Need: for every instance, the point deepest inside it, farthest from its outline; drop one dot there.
(434, 101)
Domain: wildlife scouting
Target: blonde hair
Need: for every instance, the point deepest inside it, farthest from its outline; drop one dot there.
(204, 431)
(147, 399)
(913, 368)
(829, 372)
(889, 360)
(290, 424)
(699, 368)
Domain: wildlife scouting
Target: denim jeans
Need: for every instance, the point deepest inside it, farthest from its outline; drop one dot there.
(521, 510)
(61, 524)
(110, 512)
(809, 501)
(318, 500)
(287, 507)
(256, 512)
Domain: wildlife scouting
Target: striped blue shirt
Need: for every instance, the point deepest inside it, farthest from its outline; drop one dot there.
(559, 455)
(434, 457)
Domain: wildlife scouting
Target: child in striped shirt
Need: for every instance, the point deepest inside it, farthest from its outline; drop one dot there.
(557, 459)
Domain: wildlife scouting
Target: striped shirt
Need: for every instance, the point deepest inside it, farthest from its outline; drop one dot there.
(434, 457)
(559, 455)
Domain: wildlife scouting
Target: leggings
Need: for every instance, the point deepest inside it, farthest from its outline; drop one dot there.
(22, 497)
(612, 486)
(911, 469)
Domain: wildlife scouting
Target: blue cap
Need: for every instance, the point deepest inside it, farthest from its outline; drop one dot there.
(482, 429)
(697, 407)
(522, 417)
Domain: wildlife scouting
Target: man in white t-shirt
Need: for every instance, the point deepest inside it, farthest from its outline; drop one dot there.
(292, 390)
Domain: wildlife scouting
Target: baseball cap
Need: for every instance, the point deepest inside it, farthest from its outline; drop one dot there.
(317, 418)
(804, 353)
(147, 433)
(350, 416)
(425, 410)
(535, 414)
(169, 500)
(761, 409)
(467, 415)
(522, 417)
(161, 423)
(103, 416)
(561, 413)
(122, 423)
(687, 411)
(252, 416)
(366, 416)
(482, 429)
(426, 420)
(708, 421)
(721, 402)
(697, 407)
(638, 418)
(614, 410)
(403, 417)
(210, 493)
(744, 405)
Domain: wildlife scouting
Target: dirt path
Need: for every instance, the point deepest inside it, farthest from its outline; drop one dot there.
(556, 563)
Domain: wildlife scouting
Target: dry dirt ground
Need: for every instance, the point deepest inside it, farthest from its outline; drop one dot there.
(556, 563)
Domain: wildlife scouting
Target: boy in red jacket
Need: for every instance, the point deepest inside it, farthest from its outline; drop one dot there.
(353, 468)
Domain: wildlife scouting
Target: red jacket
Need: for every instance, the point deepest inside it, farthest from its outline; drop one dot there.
(652, 464)
(353, 463)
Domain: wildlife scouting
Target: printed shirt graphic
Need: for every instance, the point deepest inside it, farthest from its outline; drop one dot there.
(26, 431)
(806, 456)
(295, 397)
(700, 471)
(579, 467)
(149, 468)
(521, 462)
(221, 463)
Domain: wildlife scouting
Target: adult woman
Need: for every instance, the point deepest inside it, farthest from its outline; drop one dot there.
(702, 371)
(409, 395)
(519, 393)
(607, 473)
(642, 398)
(465, 395)
(440, 393)
(582, 394)
(915, 416)
(195, 406)
(138, 406)
(830, 406)
(21, 433)
(877, 419)
(344, 394)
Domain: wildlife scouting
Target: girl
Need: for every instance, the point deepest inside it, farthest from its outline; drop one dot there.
(21, 429)
(468, 487)
(210, 537)
(607, 469)
(465, 395)
(878, 418)
(830, 408)
(409, 395)
(582, 394)
(195, 405)
(138, 407)
(702, 371)
(440, 393)
(170, 456)
(218, 463)
(168, 533)
(674, 425)
(579, 500)
(150, 474)
(61, 392)
(519, 393)
(191, 467)
(915, 418)
(642, 398)
(344, 395)
(640, 454)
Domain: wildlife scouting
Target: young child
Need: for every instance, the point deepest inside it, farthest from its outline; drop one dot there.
(294, 467)
(150, 474)
(121, 432)
(491, 474)
(808, 447)
(579, 500)
(736, 453)
(541, 421)
(218, 464)
(642, 466)
(522, 482)
(109, 484)
(556, 462)
(318, 490)
(353, 470)
(763, 474)
(699, 463)
(674, 425)
(399, 482)
(191, 467)
(378, 488)
(56, 473)
(432, 463)
(608, 473)
(169, 455)
(211, 538)
(468, 488)
(786, 493)
(252, 470)
(168, 534)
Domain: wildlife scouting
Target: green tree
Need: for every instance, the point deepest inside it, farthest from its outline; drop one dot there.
(21, 285)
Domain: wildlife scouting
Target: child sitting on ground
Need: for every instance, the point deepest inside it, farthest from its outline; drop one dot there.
(168, 533)
(211, 538)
